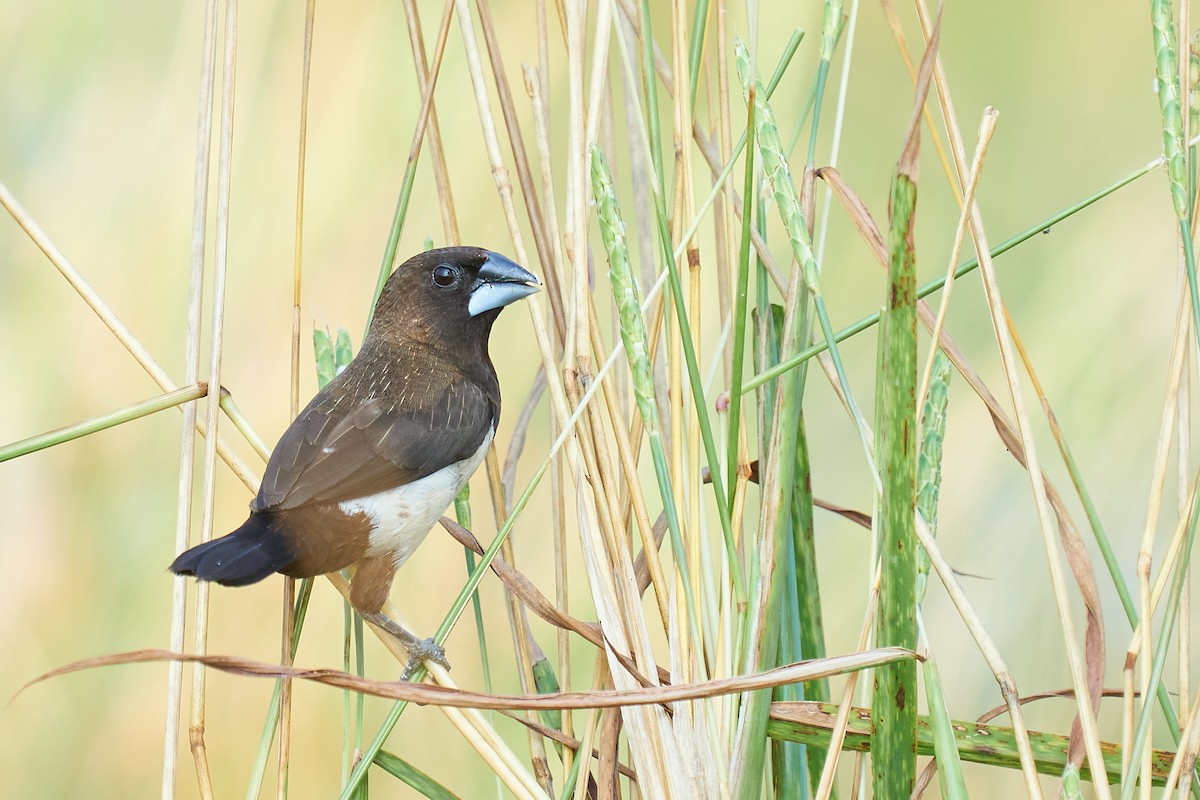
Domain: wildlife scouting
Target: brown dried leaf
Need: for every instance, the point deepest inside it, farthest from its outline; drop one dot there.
(856, 210)
(427, 694)
(910, 154)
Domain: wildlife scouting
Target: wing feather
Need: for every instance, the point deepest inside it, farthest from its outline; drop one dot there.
(343, 448)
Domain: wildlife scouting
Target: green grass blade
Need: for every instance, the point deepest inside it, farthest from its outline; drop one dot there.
(950, 776)
(393, 240)
(323, 352)
(546, 682)
(693, 373)
(418, 780)
(789, 766)
(696, 386)
(572, 777)
(871, 319)
(462, 512)
(1071, 787)
(650, 87)
(741, 300)
(343, 354)
(809, 616)
(777, 474)
(696, 49)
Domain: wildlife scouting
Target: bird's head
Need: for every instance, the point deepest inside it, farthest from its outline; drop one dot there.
(448, 294)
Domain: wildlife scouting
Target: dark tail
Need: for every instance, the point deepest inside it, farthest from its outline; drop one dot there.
(247, 555)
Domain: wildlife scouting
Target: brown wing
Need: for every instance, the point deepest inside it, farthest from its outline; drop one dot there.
(343, 447)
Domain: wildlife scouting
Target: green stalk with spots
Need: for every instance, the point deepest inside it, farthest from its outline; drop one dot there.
(976, 742)
(894, 701)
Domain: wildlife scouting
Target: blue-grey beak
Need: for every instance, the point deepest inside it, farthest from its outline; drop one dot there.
(501, 281)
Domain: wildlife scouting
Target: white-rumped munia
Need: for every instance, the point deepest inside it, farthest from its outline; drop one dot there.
(365, 471)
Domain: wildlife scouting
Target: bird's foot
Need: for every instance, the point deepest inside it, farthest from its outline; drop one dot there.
(420, 651)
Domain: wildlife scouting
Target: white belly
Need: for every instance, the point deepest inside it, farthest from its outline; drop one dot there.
(402, 517)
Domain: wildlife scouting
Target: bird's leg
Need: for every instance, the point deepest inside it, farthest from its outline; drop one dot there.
(419, 650)
(368, 591)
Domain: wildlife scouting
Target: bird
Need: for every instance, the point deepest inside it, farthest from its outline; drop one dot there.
(365, 471)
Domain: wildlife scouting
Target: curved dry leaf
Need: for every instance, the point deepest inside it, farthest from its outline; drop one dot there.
(427, 694)
(856, 209)
(910, 155)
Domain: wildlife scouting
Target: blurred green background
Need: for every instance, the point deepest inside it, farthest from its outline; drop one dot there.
(97, 139)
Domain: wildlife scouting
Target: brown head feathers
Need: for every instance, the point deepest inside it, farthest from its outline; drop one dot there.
(447, 298)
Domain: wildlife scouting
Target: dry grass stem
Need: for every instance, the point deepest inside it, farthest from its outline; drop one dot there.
(437, 151)
(191, 361)
(216, 332)
(289, 584)
(112, 322)
(1148, 596)
(987, 127)
(1079, 677)
(1083, 675)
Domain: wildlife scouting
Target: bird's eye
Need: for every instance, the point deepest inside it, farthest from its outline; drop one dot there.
(445, 275)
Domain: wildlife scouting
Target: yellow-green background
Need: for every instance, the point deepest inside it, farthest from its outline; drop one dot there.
(97, 138)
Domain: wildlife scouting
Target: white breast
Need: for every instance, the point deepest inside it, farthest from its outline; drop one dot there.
(402, 517)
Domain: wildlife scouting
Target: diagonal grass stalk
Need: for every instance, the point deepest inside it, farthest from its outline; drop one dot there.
(136, 349)
(949, 761)
(129, 413)
(970, 266)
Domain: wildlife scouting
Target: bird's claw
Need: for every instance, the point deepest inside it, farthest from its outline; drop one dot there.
(419, 652)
